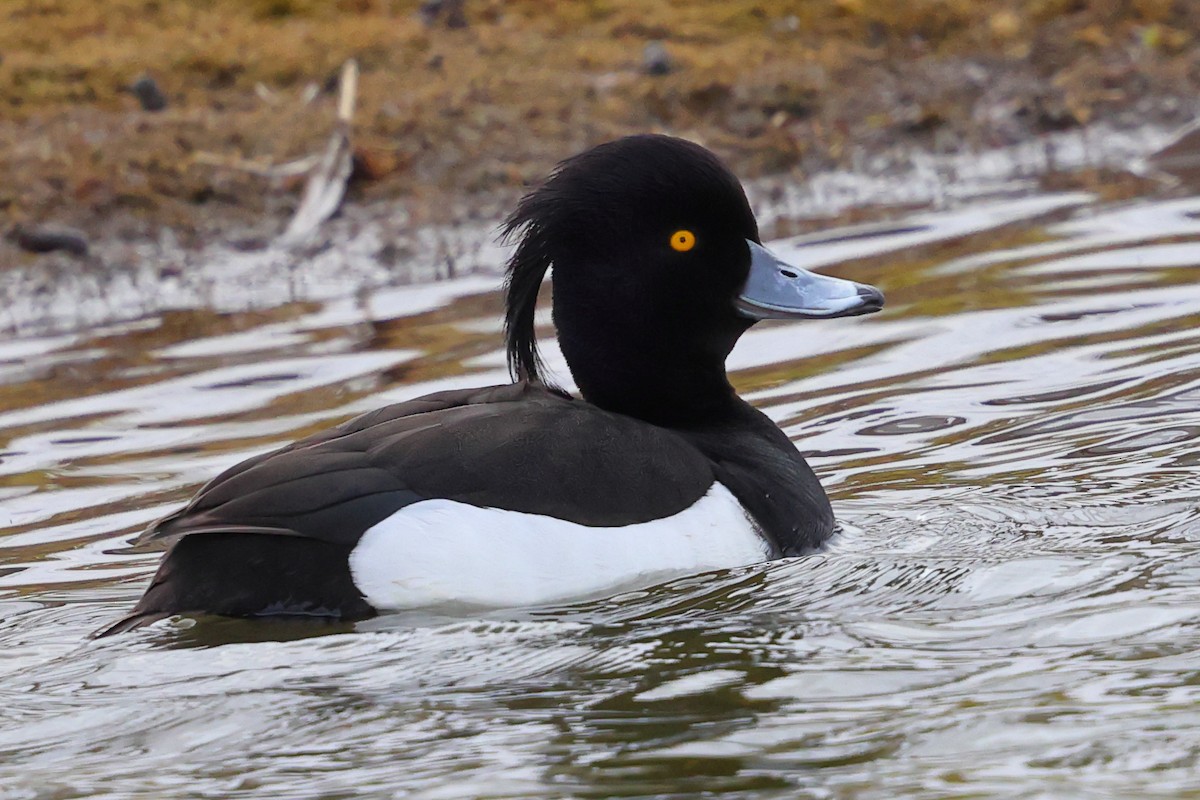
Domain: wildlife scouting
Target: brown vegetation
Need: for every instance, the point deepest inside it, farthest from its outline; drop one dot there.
(447, 110)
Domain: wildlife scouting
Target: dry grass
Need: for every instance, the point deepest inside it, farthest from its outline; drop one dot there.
(770, 84)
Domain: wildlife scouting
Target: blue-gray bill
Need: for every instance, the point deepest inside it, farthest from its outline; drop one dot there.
(778, 290)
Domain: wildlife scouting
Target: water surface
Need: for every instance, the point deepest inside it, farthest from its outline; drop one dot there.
(1011, 609)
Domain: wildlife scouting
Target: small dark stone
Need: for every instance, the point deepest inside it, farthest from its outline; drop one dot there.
(450, 13)
(146, 90)
(48, 239)
(655, 59)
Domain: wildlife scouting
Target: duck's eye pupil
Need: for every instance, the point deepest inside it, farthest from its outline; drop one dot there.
(682, 241)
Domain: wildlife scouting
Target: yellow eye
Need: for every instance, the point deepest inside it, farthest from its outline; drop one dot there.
(682, 241)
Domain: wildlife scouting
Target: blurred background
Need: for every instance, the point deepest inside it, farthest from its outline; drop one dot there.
(122, 117)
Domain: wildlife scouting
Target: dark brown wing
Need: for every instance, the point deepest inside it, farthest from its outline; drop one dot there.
(518, 447)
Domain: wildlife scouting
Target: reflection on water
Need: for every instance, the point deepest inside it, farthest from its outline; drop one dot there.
(1011, 608)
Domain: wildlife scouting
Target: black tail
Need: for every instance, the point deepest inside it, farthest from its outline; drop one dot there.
(249, 575)
(138, 619)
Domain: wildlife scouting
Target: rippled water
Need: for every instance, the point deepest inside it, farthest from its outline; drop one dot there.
(1012, 608)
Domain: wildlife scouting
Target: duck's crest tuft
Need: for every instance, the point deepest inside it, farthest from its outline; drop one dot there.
(523, 279)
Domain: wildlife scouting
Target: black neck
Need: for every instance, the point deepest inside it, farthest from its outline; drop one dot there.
(635, 353)
(661, 378)
(665, 393)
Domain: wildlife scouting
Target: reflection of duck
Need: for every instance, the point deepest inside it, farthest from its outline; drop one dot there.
(519, 494)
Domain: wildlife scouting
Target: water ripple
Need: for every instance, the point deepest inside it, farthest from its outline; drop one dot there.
(1008, 610)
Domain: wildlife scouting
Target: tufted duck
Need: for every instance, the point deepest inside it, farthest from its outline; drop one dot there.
(521, 494)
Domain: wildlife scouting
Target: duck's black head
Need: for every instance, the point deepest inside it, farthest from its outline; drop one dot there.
(658, 270)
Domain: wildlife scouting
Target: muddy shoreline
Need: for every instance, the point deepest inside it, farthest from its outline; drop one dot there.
(371, 246)
(458, 117)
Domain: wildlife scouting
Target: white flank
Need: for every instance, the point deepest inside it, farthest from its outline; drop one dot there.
(443, 552)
